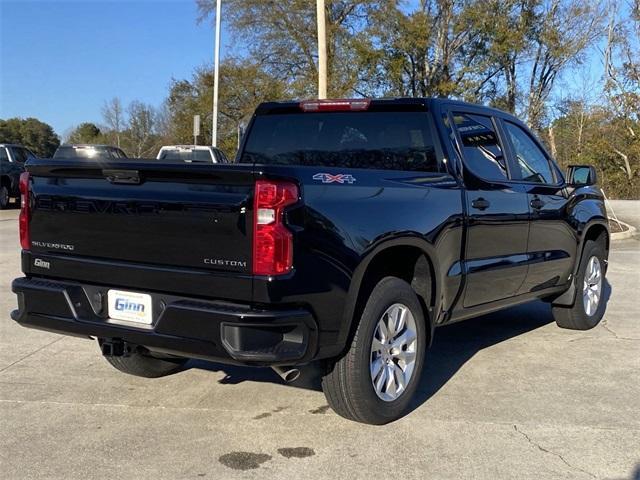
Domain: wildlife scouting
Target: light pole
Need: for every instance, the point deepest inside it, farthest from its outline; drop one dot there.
(216, 64)
(322, 50)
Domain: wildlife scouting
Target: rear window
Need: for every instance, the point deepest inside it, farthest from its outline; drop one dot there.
(82, 152)
(374, 140)
(187, 155)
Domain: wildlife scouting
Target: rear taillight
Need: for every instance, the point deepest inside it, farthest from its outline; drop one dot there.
(25, 212)
(346, 104)
(272, 241)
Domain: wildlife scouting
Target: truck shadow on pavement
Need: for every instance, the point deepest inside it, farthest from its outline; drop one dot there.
(456, 344)
(453, 346)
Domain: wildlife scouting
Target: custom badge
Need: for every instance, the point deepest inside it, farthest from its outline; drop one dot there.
(339, 178)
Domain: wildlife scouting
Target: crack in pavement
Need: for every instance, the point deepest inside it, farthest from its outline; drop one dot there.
(612, 332)
(30, 354)
(542, 449)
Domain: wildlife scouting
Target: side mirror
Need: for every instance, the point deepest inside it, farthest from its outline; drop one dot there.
(581, 175)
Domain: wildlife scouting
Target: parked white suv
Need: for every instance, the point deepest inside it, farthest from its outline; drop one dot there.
(192, 153)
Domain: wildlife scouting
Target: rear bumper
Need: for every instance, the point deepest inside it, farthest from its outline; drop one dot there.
(218, 331)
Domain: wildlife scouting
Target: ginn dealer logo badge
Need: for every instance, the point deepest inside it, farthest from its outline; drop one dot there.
(38, 262)
(126, 305)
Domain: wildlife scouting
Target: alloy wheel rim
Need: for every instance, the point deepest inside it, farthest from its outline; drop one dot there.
(393, 352)
(592, 287)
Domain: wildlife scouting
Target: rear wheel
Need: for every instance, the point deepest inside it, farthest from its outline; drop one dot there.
(376, 379)
(589, 306)
(4, 197)
(141, 363)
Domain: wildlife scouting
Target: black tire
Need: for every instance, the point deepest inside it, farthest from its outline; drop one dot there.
(142, 364)
(348, 384)
(576, 317)
(4, 197)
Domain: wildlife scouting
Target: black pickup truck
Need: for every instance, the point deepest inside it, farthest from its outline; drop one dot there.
(346, 232)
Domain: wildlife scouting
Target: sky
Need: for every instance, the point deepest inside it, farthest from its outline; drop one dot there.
(60, 60)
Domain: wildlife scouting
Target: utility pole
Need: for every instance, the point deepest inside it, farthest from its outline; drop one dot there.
(216, 64)
(322, 50)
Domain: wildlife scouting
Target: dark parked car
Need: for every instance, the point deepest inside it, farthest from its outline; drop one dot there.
(12, 158)
(89, 152)
(348, 231)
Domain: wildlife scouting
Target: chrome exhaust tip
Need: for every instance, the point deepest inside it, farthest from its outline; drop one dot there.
(288, 374)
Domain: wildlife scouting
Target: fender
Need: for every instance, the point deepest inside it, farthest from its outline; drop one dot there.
(414, 240)
(567, 299)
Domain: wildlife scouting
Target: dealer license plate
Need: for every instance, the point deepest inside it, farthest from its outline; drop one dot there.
(130, 306)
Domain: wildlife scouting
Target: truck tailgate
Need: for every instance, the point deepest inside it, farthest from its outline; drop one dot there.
(160, 215)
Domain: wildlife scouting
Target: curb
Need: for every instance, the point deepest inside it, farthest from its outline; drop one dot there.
(630, 232)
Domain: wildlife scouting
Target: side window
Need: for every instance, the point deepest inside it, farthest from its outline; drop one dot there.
(3, 155)
(533, 163)
(116, 153)
(482, 152)
(19, 155)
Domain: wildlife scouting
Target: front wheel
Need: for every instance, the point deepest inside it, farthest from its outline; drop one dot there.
(376, 379)
(589, 306)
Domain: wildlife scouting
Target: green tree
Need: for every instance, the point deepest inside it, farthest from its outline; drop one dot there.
(507, 33)
(85, 133)
(592, 135)
(435, 49)
(243, 85)
(37, 136)
(282, 38)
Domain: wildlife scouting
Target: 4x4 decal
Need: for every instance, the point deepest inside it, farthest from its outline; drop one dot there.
(339, 178)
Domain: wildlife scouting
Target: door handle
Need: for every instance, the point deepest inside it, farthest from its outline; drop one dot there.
(480, 203)
(537, 203)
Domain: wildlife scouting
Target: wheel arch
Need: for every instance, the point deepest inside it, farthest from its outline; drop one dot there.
(593, 229)
(409, 258)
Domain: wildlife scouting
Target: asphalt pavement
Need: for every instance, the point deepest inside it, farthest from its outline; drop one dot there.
(505, 396)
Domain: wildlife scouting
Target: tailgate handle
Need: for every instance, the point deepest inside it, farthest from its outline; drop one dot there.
(131, 177)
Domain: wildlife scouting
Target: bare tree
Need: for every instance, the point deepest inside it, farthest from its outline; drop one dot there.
(565, 30)
(113, 115)
(141, 127)
(622, 83)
